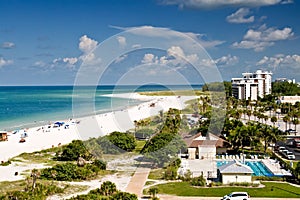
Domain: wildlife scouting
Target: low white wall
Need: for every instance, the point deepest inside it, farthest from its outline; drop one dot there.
(239, 178)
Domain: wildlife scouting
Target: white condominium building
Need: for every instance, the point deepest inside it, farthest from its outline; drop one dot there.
(252, 85)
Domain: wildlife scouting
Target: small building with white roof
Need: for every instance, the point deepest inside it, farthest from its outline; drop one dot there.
(235, 171)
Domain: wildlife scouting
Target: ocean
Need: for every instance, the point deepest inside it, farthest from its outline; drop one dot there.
(29, 106)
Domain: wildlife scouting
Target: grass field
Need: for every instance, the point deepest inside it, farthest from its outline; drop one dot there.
(271, 189)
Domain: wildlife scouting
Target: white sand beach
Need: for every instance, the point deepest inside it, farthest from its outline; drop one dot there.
(45, 137)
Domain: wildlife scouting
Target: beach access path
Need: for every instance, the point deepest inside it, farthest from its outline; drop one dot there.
(138, 181)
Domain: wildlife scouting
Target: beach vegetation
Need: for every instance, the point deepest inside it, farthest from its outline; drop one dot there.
(5, 163)
(107, 190)
(167, 143)
(114, 143)
(124, 141)
(71, 171)
(73, 151)
(39, 191)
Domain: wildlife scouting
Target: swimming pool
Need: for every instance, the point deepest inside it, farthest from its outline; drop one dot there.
(259, 169)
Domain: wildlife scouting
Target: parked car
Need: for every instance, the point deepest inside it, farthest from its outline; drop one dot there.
(284, 152)
(237, 196)
(290, 155)
(296, 142)
(281, 148)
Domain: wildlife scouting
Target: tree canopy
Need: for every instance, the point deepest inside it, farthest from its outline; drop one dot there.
(285, 88)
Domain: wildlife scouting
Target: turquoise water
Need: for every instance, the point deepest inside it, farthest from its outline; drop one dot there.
(258, 167)
(28, 106)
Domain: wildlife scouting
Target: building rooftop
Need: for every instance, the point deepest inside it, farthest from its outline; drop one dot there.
(235, 167)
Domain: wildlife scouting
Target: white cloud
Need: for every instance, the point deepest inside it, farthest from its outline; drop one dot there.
(4, 62)
(7, 45)
(150, 58)
(175, 57)
(121, 58)
(227, 60)
(86, 44)
(240, 16)
(41, 64)
(122, 41)
(71, 61)
(280, 60)
(263, 37)
(214, 4)
(175, 51)
(160, 32)
(136, 46)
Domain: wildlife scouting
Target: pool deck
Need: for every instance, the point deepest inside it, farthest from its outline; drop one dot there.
(199, 167)
(275, 168)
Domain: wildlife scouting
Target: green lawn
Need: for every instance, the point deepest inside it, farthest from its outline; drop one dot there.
(156, 174)
(271, 189)
(139, 145)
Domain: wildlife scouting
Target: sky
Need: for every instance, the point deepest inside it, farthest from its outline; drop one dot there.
(66, 42)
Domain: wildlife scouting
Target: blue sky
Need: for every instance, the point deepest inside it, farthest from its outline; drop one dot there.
(48, 42)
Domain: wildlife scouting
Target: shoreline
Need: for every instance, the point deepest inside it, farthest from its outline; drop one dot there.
(83, 128)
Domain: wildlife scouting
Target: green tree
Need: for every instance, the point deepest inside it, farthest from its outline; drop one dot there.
(153, 191)
(73, 151)
(123, 196)
(273, 120)
(286, 119)
(123, 141)
(285, 89)
(108, 188)
(295, 122)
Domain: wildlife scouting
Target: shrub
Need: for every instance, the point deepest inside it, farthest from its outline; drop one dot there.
(123, 196)
(198, 181)
(72, 151)
(100, 164)
(124, 141)
(107, 191)
(170, 173)
(70, 171)
(5, 163)
(40, 191)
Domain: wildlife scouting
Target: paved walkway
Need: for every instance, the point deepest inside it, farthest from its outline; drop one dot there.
(138, 181)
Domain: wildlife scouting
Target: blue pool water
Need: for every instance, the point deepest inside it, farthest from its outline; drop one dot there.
(259, 169)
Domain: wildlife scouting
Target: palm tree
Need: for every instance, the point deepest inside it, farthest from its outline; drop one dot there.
(295, 122)
(239, 137)
(153, 191)
(265, 117)
(34, 175)
(108, 188)
(274, 120)
(266, 135)
(286, 119)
